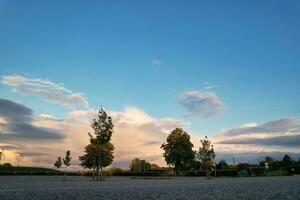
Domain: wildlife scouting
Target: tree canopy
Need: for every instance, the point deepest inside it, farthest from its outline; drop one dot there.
(58, 163)
(138, 165)
(178, 149)
(206, 153)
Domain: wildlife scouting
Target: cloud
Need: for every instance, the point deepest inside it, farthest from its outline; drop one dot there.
(52, 92)
(17, 124)
(136, 134)
(156, 61)
(253, 157)
(283, 133)
(202, 103)
(285, 140)
(272, 127)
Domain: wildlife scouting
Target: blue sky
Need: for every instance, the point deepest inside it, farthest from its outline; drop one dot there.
(148, 53)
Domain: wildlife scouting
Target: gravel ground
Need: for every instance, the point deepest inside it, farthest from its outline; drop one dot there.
(49, 187)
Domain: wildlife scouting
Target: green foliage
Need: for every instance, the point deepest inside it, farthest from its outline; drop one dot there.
(222, 165)
(138, 165)
(67, 159)
(178, 149)
(154, 166)
(112, 171)
(206, 153)
(286, 161)
(8, 169)
(103, 128)
(99, 153)
(277, 173)
(242, 166)
(58, 163)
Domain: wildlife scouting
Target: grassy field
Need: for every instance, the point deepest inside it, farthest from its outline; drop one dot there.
(14, 170)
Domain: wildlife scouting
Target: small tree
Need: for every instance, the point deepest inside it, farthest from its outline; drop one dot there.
(19, 157)
(67, 160)
(286, 161)
(178, 149)
(58, 163)
(206, 154)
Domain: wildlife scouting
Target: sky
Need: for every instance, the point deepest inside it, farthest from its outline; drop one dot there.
(225, 69)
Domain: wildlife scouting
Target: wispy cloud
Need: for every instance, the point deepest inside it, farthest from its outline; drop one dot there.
(52, 92)
(156, 61)
(202, 103)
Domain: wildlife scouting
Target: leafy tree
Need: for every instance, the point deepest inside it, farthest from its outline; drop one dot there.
(154, 166)
(58, 163)
(286, 161)
(222, 165)
(67, 160)
(269, 160)
(96, 157)
(99, 153)
(206, 154)
(178, 149)
(138, 165)
(19, 157)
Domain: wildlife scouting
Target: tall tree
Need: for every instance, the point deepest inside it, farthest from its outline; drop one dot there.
(99, 153)
(178, 149)
(206, 154)
(67, 160)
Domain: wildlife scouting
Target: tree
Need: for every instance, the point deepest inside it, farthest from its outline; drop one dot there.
(222, 165)
(286, 161)
(269, 160)
(138, 165)
(19, 157)
(154, 166)
(206, 154)
(96, 157)
(67, 160)
(58, 163)
(178, 149)
(99, 153)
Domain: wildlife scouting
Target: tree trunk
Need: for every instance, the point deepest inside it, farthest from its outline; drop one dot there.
(65, 170)
(93, 174)
(101, 174)
(97, 173)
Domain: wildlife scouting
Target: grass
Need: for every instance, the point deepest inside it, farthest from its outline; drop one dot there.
(277, 173)
(13, 170)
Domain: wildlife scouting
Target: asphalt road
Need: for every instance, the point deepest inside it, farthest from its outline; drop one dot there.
(73, 188)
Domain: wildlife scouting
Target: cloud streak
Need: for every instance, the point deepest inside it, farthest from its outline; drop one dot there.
(52, 92)
(17, 124)
(201, 103)
(279, 133)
